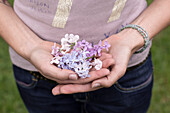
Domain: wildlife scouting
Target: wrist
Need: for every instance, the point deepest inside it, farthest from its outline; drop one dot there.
(132, 38)
(41, 46)
(29, 47)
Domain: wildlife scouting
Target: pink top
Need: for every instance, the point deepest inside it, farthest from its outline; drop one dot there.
(92, 20)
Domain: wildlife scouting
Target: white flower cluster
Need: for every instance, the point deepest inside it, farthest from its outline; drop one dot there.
(67, 41)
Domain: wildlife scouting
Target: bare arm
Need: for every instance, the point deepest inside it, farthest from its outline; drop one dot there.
(27, 44)
(16, 33)
(155, 18)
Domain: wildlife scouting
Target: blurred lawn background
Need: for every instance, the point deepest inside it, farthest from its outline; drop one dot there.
(10, 101)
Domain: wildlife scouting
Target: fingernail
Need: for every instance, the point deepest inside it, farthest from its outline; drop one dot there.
(73, 77)
(55, 92)
(96, 85)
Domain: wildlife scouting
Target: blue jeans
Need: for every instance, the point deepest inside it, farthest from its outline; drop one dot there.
(131, 94)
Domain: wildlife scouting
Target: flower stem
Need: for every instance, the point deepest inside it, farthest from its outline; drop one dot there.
(90, 57)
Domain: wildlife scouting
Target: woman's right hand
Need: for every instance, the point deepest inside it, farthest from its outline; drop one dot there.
(41, 56)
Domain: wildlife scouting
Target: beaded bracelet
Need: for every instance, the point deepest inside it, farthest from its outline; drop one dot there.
(142, 32)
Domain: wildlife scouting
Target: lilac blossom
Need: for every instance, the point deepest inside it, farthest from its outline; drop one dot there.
(106, 45)
(97, 63)
(82, 69)
(80, 57)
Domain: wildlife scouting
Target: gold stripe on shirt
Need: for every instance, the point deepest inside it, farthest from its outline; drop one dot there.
(117, 9)
(62, 13)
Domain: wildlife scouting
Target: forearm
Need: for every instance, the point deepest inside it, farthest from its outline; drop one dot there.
(155, 18)
(16, 33)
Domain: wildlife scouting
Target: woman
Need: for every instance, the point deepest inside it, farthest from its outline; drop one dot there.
(32, 27)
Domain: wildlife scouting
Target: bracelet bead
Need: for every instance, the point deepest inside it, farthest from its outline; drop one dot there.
(142, 32)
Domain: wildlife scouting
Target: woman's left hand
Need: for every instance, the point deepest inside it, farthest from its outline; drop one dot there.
(121, 50)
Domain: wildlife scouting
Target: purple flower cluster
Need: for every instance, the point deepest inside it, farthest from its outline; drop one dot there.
(92, 50)
(77, 62)
(81, 57)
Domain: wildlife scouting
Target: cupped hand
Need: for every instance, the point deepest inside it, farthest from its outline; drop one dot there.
(41, 56)
(121, 53)
(123, 45)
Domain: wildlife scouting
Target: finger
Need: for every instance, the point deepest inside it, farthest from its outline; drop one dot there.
(93, 76)
(104, 56)
(56, 90)
(73, 88)
(51, 71)
(109, 80)
(106, 63)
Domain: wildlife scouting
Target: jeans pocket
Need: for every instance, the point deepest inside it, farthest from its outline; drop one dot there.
(133, 88)
(30, 85)
(137, 78)
(24, 78)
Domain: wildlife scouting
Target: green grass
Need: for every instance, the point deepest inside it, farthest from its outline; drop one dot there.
(161, 60)
(11, 102)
